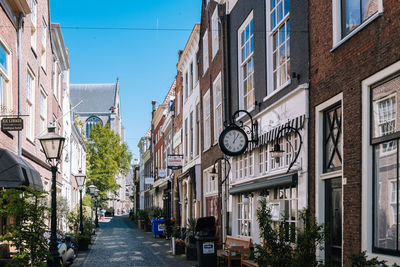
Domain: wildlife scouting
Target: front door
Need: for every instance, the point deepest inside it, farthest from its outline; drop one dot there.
(333, 221)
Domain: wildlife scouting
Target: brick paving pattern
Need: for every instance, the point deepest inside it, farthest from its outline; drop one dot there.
(120, 243)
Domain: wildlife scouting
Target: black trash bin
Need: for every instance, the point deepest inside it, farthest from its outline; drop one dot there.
(205, 241)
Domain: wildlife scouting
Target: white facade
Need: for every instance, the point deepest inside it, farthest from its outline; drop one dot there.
(257, 166)
(191, 129)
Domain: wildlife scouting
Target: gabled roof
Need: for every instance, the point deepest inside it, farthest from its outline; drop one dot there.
(96, 97)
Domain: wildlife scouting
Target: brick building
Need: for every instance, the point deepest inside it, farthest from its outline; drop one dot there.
(177, 141)
(354, 66)
(212, 108)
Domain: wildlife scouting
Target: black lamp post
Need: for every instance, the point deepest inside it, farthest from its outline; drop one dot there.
(97, 197)
(277, 152)
(80, 180)
(52, 145)
(92, 189)
(214, 173)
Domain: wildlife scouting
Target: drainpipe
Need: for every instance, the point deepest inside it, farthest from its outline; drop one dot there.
(19, 40)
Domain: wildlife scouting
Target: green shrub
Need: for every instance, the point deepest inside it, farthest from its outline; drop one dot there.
(360, 260)
(27, 207)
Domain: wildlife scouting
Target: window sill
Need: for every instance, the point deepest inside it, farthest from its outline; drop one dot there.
(277, 90)
(206, 149)
(355, 31)
(30, 141)
(9, 134)
(329, 175)
(34, 52)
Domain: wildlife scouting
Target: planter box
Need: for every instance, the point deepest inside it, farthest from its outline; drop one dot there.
(140, 224)
(147, 227)
(83, 244)
(191, 253)
(179, 249)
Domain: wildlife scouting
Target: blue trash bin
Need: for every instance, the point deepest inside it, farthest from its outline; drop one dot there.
(158, 226)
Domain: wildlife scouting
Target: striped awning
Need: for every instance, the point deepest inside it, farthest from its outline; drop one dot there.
(280, 181)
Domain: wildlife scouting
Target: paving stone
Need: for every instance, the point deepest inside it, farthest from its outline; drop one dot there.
(119, 242)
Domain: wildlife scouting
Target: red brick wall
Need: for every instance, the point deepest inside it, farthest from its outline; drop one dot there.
(206, 83)
(43, 80)
(177, 128)
(8, 36)
(342, 70)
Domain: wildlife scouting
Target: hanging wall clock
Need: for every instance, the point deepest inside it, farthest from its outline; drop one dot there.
(233, 141)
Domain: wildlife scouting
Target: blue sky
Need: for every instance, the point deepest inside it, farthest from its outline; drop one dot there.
(144, 60)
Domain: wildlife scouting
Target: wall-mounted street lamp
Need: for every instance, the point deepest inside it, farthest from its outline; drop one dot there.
(52, 145)
(277, 152)
(215, 173)
(80, 180)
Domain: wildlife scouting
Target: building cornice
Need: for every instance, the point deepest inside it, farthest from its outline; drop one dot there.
(191, 43)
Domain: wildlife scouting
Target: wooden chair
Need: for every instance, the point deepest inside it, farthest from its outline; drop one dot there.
(233, 248)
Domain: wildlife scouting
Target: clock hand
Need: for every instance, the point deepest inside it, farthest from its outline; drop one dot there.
(235, 138)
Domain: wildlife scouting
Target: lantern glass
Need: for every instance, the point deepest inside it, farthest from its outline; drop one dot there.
(52, 144)
(277, 152)
(80, 179)
(92, 188)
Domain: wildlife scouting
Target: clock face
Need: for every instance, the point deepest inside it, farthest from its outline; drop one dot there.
(233, 141)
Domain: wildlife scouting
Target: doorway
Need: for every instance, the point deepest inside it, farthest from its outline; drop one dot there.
(333, 221)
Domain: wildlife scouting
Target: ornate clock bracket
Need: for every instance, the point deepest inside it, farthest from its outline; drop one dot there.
(252, 131)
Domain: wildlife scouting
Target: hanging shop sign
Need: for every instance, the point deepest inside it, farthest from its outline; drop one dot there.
(12, 124)
(175, 162)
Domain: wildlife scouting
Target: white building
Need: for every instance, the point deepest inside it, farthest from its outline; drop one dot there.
(190, 179)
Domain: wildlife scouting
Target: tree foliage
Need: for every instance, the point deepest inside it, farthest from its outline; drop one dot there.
(106, 157)
(26, 208)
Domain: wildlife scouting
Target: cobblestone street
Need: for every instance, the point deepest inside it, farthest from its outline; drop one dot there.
(120, 243)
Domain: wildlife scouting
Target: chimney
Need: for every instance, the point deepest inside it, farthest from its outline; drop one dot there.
(153, 104)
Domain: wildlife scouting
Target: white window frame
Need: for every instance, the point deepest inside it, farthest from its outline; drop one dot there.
(207, 120)
(205, 52)
(217, 110)
(33, 6)
(337, 23)
(367, 163)
(30, 105)
(210, 183)
(241, 64)
(5, 82)
(43, 109)
(178, 103)
(215, 32)
(271, 31)
(246, 219)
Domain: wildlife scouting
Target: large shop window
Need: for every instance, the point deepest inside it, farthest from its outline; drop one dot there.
(245, 216)
(385, 141)
(284, 209)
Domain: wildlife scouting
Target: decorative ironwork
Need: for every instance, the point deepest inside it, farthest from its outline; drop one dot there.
(252, 131)
(277, 152)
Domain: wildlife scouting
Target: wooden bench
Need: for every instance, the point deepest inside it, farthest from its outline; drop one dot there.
(233, 248)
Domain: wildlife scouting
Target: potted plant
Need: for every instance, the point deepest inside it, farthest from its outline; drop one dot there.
(140, 218)
(175, 236)
(190, 241)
